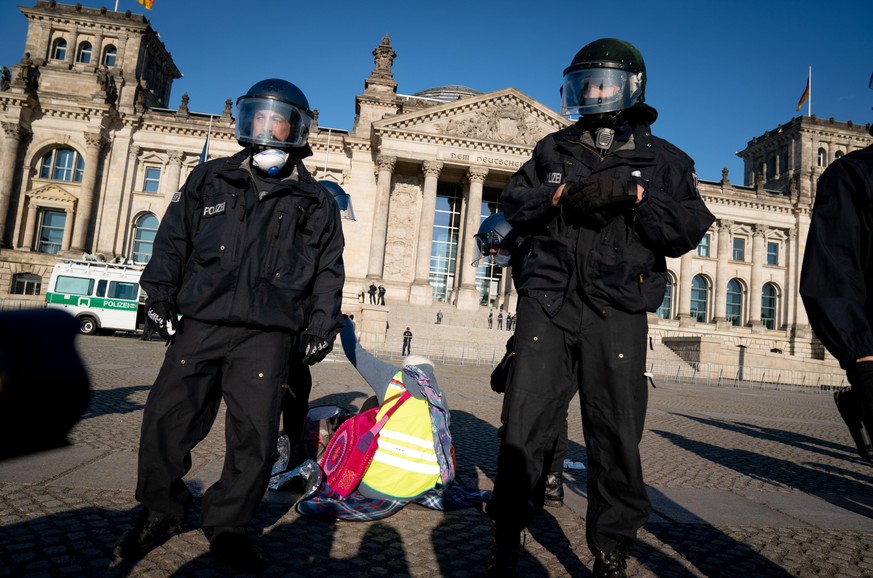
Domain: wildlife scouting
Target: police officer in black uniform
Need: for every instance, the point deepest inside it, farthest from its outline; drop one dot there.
(836, 283)
(602, 203)
(247, 265)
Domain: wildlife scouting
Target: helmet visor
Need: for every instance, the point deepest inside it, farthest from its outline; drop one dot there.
(493, 247)
(271, 123)
(596, 90)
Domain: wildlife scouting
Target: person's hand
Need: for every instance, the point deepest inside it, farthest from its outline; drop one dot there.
(163, 317)
(315, 349)
(596, 193)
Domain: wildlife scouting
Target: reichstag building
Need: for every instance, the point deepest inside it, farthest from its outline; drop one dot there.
(92, 151)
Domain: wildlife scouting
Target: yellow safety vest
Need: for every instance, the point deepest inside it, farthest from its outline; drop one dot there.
(405, 464)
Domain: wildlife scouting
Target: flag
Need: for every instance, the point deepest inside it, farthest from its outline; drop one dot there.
(804, 96)
(147, 3)
(205, 154)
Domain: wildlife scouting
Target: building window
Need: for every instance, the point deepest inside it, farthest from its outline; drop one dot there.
(703, 246)
(665, 311)
(62, 164)
(59, 49)
(769, 298)
(489, 275)
(84, 56)
(25, 284)
(773, 254)
(152, 181)
(734, 307)
(51, 231)
(822, 156)
(146, 227)
(699, 299)
(110, 56)
(739, 249)
(444, 246)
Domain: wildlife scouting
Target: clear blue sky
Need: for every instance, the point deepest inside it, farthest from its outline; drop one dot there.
(720, 72)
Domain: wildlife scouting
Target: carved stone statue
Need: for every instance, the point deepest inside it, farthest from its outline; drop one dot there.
(5, 79)
(383, 56)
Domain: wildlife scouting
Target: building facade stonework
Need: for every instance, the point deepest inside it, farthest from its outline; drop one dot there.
(92, 152)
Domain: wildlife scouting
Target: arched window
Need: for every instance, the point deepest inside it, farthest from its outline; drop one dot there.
(25, 284)
(734, 307)
(59, 49)
(699, 298)
(665, 311)
(769, 302)
(110, 56)
(822, 157)
(146, 227)
(84, 55)
(62, 164)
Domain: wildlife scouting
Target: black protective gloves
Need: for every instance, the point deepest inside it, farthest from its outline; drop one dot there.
(601, 197)
(314, 349)
(163, 317)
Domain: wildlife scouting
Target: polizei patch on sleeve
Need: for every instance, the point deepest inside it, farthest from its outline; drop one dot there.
(214, 210)
(176, 196)
(554, 178)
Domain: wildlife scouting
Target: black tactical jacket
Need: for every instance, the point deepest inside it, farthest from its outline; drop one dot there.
(225, 256)
(623, 260)
(836, 281)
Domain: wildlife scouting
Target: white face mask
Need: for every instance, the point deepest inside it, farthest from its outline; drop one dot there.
(270, 161)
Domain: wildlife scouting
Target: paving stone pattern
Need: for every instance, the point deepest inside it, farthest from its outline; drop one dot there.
(744, 482)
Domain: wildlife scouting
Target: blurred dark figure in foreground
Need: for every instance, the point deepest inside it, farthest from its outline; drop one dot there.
(44, 387)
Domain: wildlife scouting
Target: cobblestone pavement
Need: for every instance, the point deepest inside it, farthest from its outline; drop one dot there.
(744, 482)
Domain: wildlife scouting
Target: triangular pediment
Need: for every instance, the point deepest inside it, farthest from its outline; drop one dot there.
(506, 116)
(51, 194)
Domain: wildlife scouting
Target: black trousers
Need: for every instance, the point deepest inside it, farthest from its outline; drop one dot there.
(604, 358)
(207, 363)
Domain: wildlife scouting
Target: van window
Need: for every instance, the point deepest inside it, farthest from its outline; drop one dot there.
(101, 288)
(74, 285)
(121, 290)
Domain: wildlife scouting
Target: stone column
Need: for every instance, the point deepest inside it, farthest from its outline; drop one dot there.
(174, 174)
(30, 226)
(421, 293)
(93, 143)
(13, 133)
(468, 296)
(682, 290)
(759, 255)
(380, 216)
(68, 231)
(73, 47)
(722, 271)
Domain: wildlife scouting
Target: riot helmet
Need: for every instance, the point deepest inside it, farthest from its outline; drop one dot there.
(495, 240)
(342, 198)
(273, 114)
(606, 76)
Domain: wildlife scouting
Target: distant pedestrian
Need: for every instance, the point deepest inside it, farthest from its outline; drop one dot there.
(500, 320)
(407, 342)
(372, 292)
(439, 317)
(490, 318)
(381, 295)
(508, 321)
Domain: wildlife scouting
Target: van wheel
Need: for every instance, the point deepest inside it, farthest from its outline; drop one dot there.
(87, 325)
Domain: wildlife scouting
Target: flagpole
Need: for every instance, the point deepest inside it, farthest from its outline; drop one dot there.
(809, 98)
(116, 5)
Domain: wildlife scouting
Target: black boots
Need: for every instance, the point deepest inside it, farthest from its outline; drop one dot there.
(504, 553)
(612, 565)
(146, 534)
(554, 495)
(851, 409)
